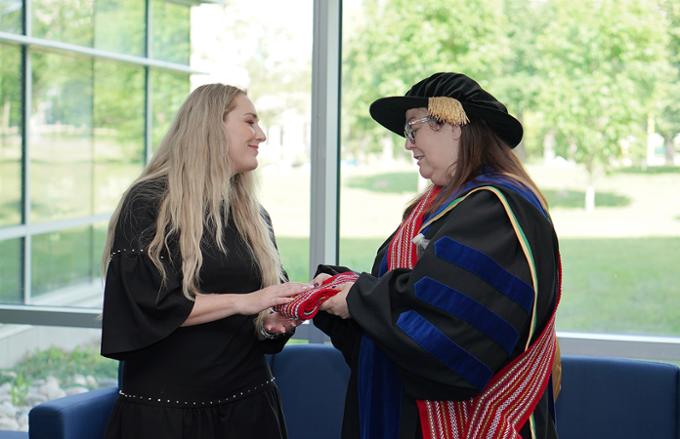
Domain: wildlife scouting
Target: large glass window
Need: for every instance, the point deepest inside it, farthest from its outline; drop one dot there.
(170, 31)
(11, 253)
(119, 26)
(168, 91)
(602, 135)
(87, 134)
(271, 58)
(118, 131)
(89, 120)
(10, 15)
(61, 141)
(68, 21)
(377, 180)
(10, 135)
(112, 25)
(67, 258)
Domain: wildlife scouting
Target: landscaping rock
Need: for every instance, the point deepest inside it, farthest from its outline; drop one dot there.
(76, 390)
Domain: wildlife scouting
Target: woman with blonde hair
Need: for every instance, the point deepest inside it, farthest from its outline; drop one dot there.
(452, 333)
(190, 261)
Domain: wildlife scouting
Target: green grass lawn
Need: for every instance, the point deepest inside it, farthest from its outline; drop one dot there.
(610, 285)
(621, 285)
(618, 279)
(406, 182)
(389, 182)
(572, 199)
(59, 259)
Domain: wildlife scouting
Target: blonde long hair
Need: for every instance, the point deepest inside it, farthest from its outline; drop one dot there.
(200, 191)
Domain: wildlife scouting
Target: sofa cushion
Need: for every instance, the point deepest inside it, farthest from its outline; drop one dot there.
(313, 381)
(618, 398)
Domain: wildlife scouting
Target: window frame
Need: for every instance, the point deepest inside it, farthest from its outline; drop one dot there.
(324, 187)
(26, 230)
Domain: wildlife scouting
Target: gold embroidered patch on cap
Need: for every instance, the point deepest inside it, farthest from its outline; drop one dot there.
(447, 109)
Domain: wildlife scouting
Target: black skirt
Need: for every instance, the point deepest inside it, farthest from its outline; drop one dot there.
(257, 415)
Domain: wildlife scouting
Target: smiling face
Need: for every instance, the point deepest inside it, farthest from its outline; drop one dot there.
(435, 148)
(244, 135)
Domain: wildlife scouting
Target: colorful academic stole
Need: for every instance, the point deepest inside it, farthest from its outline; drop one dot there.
(509, 399)
(306, 305)
(402, 252)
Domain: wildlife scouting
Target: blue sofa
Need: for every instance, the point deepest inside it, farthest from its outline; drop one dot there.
(618, 398)
(312, 412)
(601, 398)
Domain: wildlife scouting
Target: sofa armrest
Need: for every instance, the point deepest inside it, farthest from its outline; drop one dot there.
(6, 434)
(82, 416)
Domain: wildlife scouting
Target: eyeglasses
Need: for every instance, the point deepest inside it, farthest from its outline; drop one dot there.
(410, 133)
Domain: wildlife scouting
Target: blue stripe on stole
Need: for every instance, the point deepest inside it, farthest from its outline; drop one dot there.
(383, 264)
(379, 388)
(467, 309)
(514, 186)
(379, 393)
(432, 340)
(485, 268)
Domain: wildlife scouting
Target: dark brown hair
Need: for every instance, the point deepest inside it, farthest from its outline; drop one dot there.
(480, 149)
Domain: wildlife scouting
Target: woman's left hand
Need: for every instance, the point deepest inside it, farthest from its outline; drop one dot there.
(320, 278)
(275, 323)
(337, 305)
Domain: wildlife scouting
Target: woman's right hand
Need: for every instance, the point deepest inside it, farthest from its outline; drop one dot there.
(253, 303)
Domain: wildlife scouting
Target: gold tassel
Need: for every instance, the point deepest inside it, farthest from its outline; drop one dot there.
(447, 109)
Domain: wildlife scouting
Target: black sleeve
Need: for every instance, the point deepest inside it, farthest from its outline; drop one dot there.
(344, 334)
(463, 311)
(276, 345)
(139, 309)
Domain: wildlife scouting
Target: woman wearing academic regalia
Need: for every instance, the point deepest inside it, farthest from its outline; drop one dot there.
(452, 333)
(191, 261)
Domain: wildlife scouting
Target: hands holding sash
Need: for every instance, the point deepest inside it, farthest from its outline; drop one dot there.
(337, 305)
(329, 294)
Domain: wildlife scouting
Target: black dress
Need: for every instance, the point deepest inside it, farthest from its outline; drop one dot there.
(390, 371)
(205, 381)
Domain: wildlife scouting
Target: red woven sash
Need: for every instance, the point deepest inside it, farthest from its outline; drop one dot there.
(508, 400)
(401, 251)
(306, 305)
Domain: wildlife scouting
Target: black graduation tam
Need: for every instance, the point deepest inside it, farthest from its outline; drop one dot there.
(449, 97)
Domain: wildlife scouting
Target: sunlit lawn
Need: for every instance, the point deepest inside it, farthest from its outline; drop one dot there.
(621, 285)
(610, 285)
(620, 262)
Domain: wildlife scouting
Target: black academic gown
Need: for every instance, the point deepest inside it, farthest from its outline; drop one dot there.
(205, 381)
(488, 338)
